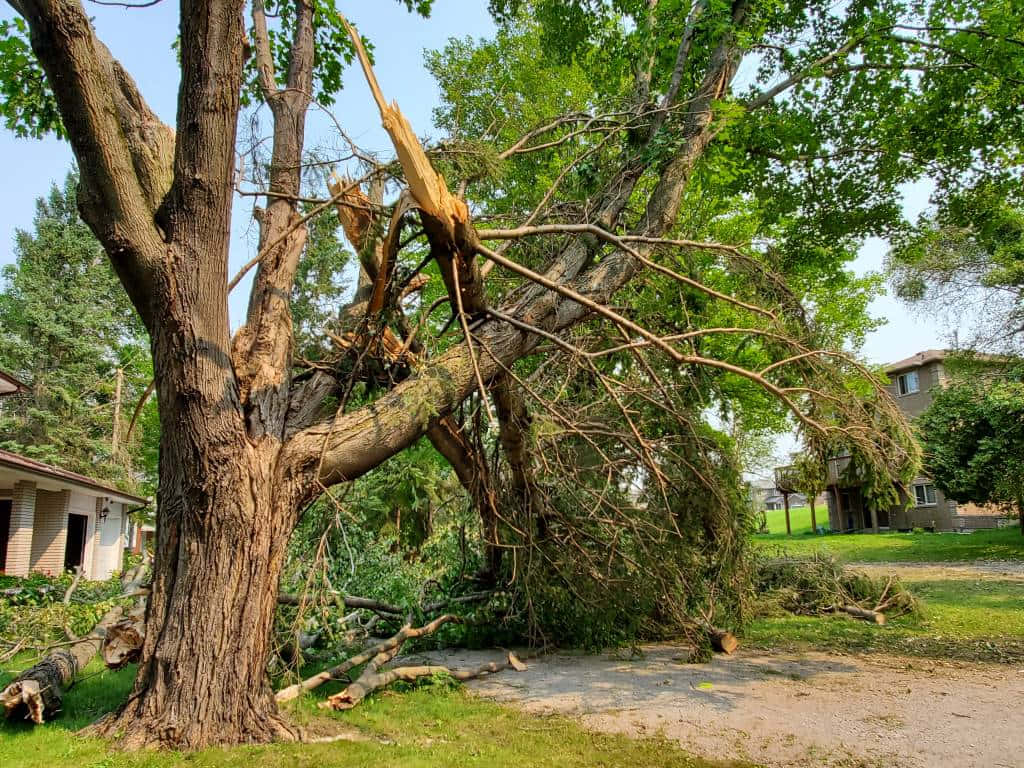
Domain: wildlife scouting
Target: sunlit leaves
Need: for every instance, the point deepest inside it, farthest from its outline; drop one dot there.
(26, 104)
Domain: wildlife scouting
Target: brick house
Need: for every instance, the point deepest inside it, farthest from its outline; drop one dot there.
(52, 520)
(911, 383)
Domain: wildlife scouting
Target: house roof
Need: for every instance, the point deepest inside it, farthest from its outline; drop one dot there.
(916, 361)
(10, 385)
(938, 355)
(24, 464)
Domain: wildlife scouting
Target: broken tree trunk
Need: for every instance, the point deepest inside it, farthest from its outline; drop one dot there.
(38, 692)
(875, 617)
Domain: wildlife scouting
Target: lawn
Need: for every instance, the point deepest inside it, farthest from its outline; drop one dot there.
(429, 726)
(969, 619)
(962, 617)
(998, 544)
(799, 519)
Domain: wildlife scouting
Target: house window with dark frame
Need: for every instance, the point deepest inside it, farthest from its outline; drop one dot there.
(924, 494)
(907, 383)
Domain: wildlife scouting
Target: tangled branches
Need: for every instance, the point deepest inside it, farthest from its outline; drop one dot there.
(819, 585)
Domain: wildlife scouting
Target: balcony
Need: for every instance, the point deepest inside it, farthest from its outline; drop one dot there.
(786, 479)
(839, 473)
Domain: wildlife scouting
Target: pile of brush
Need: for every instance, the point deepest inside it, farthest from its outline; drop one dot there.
(818, 585)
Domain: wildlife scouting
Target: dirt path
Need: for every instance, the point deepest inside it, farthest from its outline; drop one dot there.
(785, 709)
(1009, 570)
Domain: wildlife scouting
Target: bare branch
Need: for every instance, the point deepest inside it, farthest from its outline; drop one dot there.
(264, 58)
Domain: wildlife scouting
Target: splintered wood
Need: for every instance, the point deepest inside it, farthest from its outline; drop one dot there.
(428, 187)
(354, 208)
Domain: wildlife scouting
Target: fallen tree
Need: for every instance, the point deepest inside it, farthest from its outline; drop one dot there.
(38, 693)
(252, 434)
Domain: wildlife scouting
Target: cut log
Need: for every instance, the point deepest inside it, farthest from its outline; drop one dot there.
(875, 617)
(38, 692)
(722, 640)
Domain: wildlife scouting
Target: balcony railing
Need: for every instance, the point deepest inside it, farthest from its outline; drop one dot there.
(838, 469)
(785, 479)
(839, 472)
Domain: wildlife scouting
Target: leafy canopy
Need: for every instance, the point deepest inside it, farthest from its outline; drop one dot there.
(973, 435)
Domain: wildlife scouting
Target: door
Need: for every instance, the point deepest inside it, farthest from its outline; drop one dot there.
(883, 517)
(5, 531)
(74, 553)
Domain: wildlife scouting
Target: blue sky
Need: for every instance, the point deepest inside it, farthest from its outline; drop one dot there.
(142, 39)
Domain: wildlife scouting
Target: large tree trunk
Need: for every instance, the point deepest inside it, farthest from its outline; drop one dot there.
(219, 555)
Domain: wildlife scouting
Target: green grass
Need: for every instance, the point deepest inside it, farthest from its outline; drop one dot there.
(969, 619)
(427, 726)
(997, 544)
(965, 618)
(799, 519)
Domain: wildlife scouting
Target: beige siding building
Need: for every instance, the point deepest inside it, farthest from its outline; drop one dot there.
(52, 520)
(912, 382)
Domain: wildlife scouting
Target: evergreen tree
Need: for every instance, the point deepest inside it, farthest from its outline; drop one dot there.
(66, 328)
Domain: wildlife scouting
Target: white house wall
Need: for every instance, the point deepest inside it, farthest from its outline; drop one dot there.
(109, 543)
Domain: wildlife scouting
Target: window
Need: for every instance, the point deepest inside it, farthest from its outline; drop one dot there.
(924, 494)
(907, 383)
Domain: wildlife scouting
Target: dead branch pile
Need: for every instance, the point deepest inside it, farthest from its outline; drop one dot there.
(819, 585)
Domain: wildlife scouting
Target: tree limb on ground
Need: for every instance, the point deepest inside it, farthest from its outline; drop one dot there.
(377, 656)
(374, 678)
(371, 681)
(38, 692)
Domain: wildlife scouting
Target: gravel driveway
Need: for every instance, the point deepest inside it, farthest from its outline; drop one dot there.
(785, 709)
